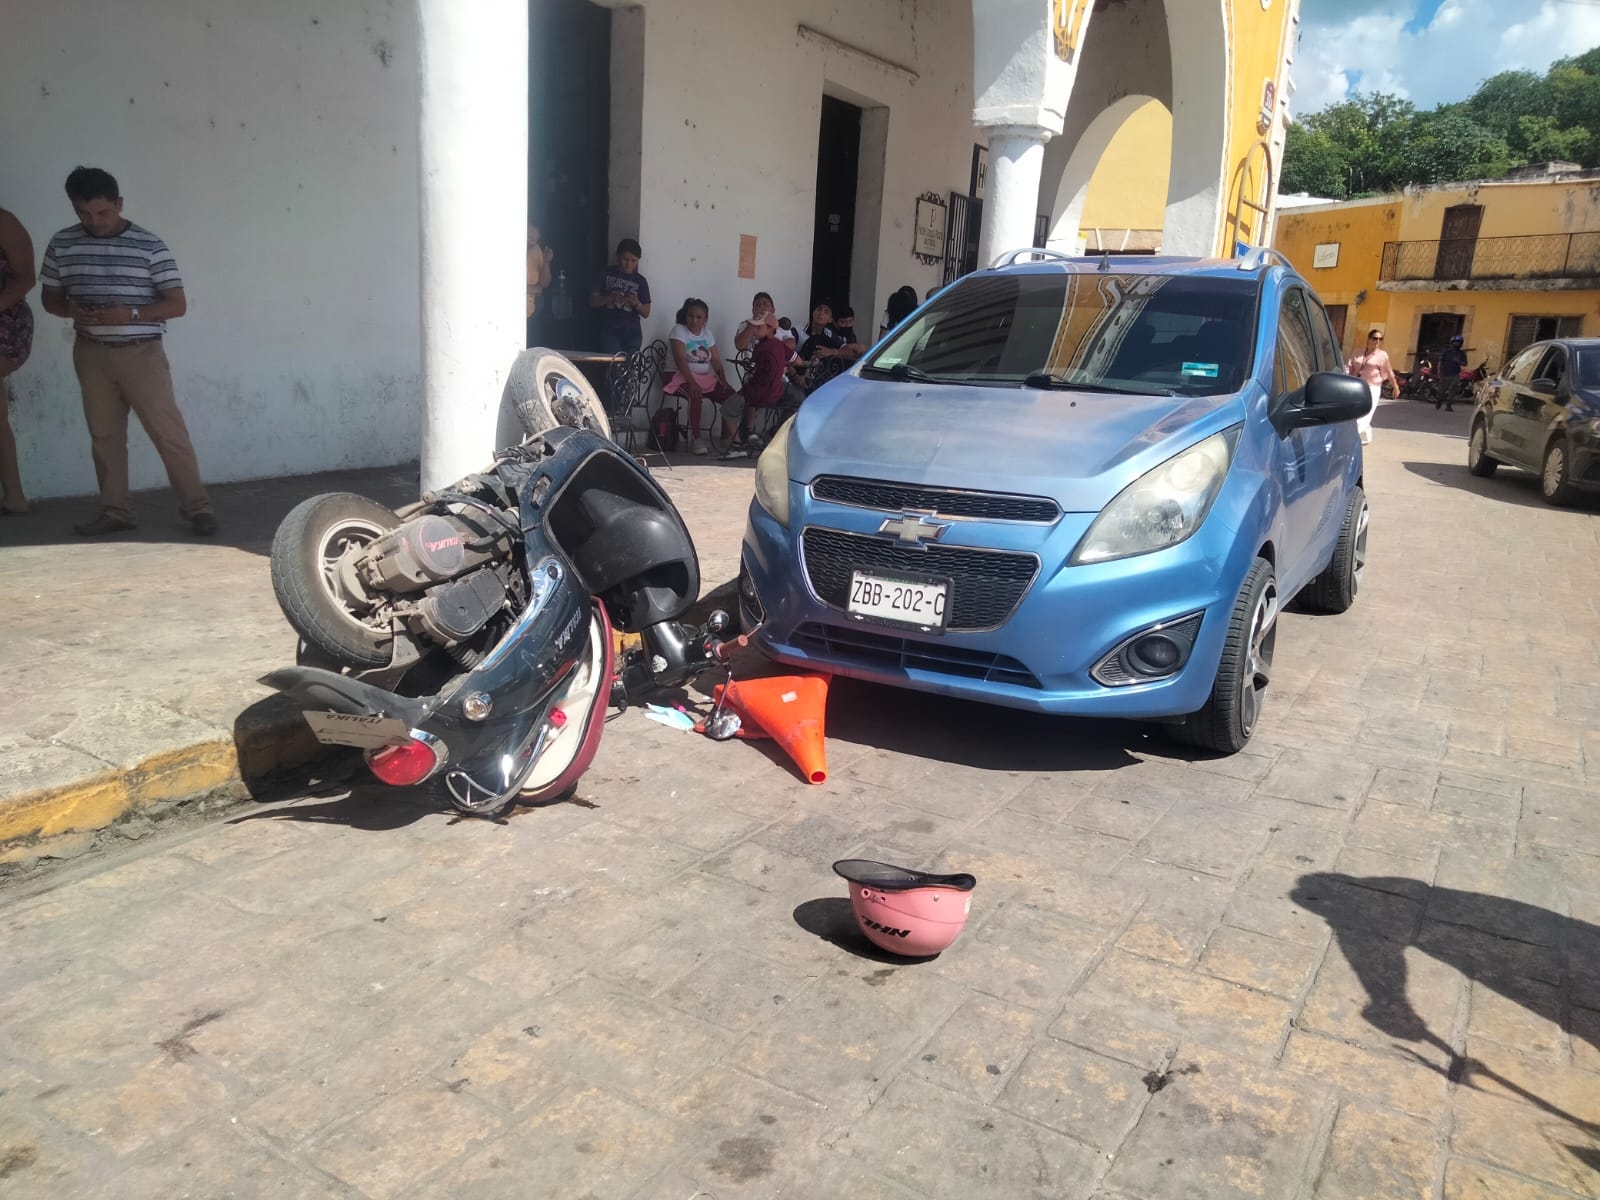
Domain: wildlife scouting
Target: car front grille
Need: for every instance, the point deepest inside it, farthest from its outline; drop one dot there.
(985, 585)
(872, 649)
(946, 502)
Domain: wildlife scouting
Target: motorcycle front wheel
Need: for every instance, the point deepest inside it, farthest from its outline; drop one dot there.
(548, 391)
(313, 558)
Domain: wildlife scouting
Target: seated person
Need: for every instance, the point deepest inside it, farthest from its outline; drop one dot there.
(700, 370)
(764, 387)
(818, 358)
(761, 308)
(844, 324)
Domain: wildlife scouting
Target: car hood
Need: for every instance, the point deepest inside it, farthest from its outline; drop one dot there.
(1078, 448)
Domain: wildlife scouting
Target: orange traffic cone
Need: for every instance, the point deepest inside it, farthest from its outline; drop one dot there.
(790, 709)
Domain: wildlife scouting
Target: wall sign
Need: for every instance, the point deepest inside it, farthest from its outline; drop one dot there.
(928, 245)
(747, 256)
(1326, 255)
(1269, 106)
(978, 188)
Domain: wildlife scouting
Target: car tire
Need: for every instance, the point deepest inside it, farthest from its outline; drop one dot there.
(1479, 461)
(1334, 591)
(1555, 475)
(1229, 717)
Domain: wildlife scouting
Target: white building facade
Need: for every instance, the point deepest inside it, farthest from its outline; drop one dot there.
(336, 201)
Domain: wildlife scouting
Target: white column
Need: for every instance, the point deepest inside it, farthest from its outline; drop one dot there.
(1016, 158)
(473, 137)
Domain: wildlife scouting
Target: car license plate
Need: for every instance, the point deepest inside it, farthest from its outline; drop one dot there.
(351, 729)
(919, 602)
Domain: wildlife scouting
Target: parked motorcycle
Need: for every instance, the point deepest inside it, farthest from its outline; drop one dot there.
(468, 638)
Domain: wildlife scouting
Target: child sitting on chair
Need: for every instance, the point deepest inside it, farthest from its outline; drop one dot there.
(700, 371)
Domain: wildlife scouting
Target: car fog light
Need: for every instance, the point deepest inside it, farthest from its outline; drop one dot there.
(477, 706)
(748, 594)
(1152, 654)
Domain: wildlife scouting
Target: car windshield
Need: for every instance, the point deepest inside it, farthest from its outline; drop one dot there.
(1586, 368)
(1081, 331)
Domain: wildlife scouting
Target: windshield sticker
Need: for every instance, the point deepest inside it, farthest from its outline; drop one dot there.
(1205, 370)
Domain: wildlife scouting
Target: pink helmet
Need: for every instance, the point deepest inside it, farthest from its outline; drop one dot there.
(903, 911)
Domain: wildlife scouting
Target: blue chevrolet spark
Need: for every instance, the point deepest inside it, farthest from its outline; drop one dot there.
(1081, 486)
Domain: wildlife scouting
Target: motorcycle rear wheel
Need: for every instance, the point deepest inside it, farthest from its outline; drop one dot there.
(548, 392)
(314, 586)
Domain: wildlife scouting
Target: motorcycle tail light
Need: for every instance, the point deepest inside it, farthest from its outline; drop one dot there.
(406, 764)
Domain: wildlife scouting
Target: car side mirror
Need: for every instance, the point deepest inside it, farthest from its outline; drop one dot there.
(1544, 386)
(1331, 397)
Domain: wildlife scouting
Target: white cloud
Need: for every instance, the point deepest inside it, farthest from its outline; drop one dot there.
(1465, 42)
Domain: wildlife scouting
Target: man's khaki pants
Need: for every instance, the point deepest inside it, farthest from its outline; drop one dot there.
(115, 379)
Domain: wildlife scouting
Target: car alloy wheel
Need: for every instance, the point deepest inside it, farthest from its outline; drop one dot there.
(1553, 482)
(1258, 664)
(1478, 461)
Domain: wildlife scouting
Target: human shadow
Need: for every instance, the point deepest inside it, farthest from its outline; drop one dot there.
(1536, 958)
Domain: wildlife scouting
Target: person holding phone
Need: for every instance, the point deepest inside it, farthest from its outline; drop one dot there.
(119, 286)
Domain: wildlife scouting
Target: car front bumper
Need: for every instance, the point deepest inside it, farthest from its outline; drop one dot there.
(1041, 657)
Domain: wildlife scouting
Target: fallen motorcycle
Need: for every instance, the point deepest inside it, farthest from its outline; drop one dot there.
(468, 638)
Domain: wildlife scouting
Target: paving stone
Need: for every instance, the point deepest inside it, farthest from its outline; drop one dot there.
(209, 1160)
(1220, 1129)
(1376, 1154)
(618, 1041)
(1396, 829)
(1118, 818)
(1527, 1139)
(1327, 781)
(1304, 847)
(1108, 1029)
(1467, 1180)
(1068, 848)
(1214, 840)
(129, 1108)
(1025, 954)
(1092, 1098)
(978, 1048)
(1386, 872)
(1488, 957)
(579, 1145)
(1375, 992)
(1398, 785)
(1176, 919)
(1264, 963)
(943, 1145)
(1394, 1078)
(1481, 806)
(735, 991)
(840, 1040)
(1194, 1007)
(1525, 1017)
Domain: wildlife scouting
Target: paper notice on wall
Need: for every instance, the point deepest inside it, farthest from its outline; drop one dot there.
(1326, 255)
(747, 256)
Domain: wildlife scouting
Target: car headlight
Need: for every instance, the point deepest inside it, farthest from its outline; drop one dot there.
(1163, 506)
(772, 475)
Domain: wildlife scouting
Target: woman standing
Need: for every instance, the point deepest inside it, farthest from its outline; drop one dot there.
(17, 278)
(1372, 366)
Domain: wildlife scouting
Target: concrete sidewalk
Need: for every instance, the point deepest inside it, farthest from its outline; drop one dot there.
(131, 662)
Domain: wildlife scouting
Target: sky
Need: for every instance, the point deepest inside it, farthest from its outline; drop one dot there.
(1431, 51)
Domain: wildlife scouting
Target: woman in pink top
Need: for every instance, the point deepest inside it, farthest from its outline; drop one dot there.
(1373, 367)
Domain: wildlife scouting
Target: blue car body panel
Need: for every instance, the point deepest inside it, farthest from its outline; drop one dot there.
(1284, 497)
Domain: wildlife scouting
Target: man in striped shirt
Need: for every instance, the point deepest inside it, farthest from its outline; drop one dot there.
(118, 285)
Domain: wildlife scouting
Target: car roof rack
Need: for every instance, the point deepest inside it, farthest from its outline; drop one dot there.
(1033, 252)
(1257, 257)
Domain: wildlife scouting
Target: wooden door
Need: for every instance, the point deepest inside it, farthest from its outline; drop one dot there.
(1458, 241)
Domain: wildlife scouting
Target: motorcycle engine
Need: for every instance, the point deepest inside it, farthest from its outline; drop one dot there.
(453, 612)
(423, 552)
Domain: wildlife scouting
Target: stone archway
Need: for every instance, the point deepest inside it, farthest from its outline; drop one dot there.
(1066, 215)
(1201, 103)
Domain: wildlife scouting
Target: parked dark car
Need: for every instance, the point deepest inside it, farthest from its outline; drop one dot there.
(1542, 413)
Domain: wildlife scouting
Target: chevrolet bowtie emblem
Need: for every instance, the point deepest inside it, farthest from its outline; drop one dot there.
(913, 528)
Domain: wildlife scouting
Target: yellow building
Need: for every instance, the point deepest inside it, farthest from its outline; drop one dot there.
(1502, 263)
(1173, 140)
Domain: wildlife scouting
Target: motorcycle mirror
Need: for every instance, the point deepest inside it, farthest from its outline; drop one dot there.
(718, 623)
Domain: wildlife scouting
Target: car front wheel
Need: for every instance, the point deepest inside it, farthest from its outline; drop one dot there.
(1229, 717)
(1555, 481)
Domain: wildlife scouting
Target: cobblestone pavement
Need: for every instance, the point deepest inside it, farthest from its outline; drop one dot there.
(1361, 959)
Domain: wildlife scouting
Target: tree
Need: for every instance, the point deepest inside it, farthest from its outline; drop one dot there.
(1380, 143)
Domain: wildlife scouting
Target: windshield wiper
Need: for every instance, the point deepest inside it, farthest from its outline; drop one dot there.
(1060, 383)
(904, 372)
